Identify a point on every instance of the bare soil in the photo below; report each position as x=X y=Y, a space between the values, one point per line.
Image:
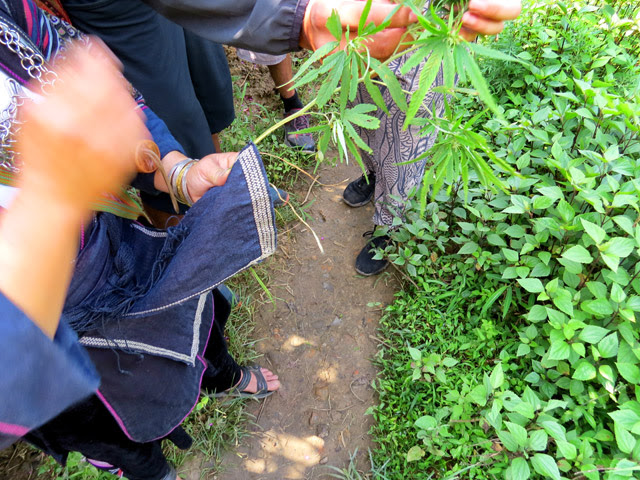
x=320 y=339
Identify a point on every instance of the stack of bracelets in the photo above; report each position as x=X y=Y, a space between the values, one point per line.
x=178 y=180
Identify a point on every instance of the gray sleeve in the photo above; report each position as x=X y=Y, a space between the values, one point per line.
x=268 y=26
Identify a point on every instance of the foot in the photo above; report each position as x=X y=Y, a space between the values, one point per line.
x=278 y=196
x=303 y=141
x=255 y=382
x=359 y=192
x=271 y=378
x=365 y=263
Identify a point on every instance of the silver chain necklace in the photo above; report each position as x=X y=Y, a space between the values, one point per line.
x=36 y=67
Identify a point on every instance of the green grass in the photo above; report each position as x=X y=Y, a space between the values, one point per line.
x=456 y=348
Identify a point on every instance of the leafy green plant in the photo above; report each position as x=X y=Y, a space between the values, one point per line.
x=556 y=256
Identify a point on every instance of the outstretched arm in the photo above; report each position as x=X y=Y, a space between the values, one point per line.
x=68 y=163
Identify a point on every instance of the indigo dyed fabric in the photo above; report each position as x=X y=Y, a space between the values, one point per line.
x=40 y=377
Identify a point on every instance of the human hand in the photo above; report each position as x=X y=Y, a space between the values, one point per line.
x=486 y=17
x=210 y=171
x=79 y=140
x=315 y=34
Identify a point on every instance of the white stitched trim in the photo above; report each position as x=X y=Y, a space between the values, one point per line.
x=153 y=350
x=146 y=231
x=197 y=321
x=138 y=346
x=260 y=201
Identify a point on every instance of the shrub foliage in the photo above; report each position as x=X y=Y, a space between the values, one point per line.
x=547 y=268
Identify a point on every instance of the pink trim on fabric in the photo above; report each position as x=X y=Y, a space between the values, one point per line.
x=13 y=430
x=29 y=18
x=82 y=236
x=119 y=420
x=114 y=414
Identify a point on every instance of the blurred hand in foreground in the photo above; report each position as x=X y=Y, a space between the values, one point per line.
x=79 y=141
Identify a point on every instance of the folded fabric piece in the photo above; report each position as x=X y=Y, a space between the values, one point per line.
x=142 y=297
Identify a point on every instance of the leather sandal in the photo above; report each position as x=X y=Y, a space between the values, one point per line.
x=238 y=390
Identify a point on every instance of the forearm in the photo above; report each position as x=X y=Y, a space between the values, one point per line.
x=38 y=244
x=269 y=26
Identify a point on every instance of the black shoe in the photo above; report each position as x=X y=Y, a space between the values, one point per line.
x=303 y=141
x=365 y=263
x=359 y=192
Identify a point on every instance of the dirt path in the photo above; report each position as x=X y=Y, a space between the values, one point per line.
x=318 y=339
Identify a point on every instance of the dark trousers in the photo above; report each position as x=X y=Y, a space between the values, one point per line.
x=184 y=79
x=89 y=428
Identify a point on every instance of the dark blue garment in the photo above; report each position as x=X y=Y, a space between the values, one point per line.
x=40 y=377
x=141 y=297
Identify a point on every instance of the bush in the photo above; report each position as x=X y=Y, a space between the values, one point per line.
x=555 y=259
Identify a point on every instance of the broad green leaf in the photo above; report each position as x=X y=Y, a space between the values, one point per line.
x=508 y=441
x=554 y=429
x=578 y=254
x=538 y=440
x=545 y=465
x=630 y=372
x=426 y=422
x=593 y=333
x=619 y=246
x=542 y=203
x=478 y=395
x=617 y=293
x=567 y=450
x=537 y=314
x=496 y=240
x=626 y=418
x=596 y=233
x=519 y=433
x=532 y=285
x=560 y=350
x=497 y=376
x=566 y=211
x=467 y=248
x=584 y=371
x=608 y=346
x=416 y=355
x=520 y=469
x=510 y=255
x=625 y=440
x=415 y=453
x=563 y=301
x=599 y=307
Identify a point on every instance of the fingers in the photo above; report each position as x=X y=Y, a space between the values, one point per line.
x=495 y=9
x=314 y=32
x=350 y=12
x=474 y=23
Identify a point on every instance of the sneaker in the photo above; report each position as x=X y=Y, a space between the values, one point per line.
x=303 y=141
x=359 y=192
x=365 y=263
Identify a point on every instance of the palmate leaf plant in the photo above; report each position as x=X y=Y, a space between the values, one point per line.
x=557 y=255
x=435 y=39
